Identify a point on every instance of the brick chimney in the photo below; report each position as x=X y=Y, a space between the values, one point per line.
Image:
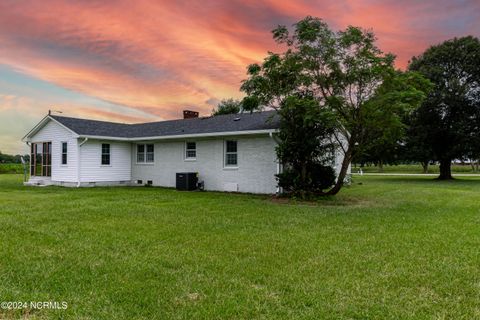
x=188 y=114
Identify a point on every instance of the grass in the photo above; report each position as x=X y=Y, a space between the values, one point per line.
x=11 y=168
x=385 y=248
x=413 y=168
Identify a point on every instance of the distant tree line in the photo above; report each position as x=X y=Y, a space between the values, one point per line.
x=7 y=158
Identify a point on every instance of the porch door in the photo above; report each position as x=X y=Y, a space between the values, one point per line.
x=47 y=159
x=41 y=159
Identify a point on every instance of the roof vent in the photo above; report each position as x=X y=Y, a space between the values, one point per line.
x=188 y=114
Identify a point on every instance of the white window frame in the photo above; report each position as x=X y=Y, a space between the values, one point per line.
x=109 y=154
x=187 y=158
x=145 y=153
x=225 y=155
x=64 y=153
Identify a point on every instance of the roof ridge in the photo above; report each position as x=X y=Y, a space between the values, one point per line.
x=85 y=119
x=170 y=120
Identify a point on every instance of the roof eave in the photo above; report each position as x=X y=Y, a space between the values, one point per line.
x=184 y=136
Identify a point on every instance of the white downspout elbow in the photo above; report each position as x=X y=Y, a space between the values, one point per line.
x=81 y=144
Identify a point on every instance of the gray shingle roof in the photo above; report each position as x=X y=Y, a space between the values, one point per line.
x=217 y=124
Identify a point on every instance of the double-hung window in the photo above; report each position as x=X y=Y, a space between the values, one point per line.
x=190 y=150
x=145 y=153
x=64 y=152
x=105 y=154
x=231 y=153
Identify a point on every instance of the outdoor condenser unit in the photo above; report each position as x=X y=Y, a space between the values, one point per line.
x=187 y=181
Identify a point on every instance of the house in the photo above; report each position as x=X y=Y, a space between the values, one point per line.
x=233 y=152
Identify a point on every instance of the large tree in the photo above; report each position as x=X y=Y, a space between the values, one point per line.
x=346 y=73
x=449 y=119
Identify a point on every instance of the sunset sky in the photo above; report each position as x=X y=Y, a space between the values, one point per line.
x=135 y=61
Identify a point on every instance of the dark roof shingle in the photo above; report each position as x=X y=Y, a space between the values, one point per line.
x=204 y=125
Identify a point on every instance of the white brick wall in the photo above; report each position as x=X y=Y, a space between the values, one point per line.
x=255 y=173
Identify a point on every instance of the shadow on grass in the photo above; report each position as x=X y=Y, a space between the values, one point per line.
x=339 y=200
x=422 y=180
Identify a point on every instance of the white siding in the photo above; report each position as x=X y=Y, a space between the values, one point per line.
x=255 y=173
x=57 y=134
x=92 y=169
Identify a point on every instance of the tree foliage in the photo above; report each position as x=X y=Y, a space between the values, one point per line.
x=306 y=160
x=449 y=119
x=388 y=113
x=347 y=75
x=227 y=106
x=7 y=158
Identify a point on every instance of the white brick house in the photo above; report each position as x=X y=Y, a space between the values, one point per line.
x=229 y=152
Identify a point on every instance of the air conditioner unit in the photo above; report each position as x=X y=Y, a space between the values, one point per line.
x=186 y=181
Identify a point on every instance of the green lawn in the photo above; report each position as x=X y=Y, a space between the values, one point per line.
x=385 y=248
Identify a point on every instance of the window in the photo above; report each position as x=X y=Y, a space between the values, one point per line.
x=64 y=152
x=190 y=150
x=231 y=154
x=41 y=159
x=150 y=153
x=140 y=153
x=105 y=154
x=145 y=153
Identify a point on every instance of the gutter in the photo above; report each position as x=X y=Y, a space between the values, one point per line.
x=78 y=161
x=184 y=136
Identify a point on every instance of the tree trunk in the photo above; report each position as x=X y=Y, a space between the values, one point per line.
x=425 y=166
x=343 y=172
x=380 y=166
x=303 y=174
x=445 y=169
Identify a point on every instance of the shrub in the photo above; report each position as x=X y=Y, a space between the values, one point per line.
x=319 y=178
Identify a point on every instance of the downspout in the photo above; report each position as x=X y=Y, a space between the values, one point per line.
x=78 y=160
x=279 y=165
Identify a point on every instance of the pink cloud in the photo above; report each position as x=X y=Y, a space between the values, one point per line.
x=162 y=56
